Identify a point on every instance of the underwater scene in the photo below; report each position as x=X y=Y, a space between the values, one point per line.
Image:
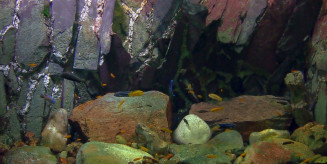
x=163 y=81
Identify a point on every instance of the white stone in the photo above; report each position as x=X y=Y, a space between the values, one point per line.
x=192 y=130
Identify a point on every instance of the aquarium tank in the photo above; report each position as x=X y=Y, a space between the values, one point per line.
x=163 y=81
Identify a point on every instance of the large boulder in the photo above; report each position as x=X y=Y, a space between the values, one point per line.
x=30 y=154
x=248 y=113
x=102 y=119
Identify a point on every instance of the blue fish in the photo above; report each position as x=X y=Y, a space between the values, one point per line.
x=122 y=94
x=227 y=125
x=171 y=87
x=48 y=98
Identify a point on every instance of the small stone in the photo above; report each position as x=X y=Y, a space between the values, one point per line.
x=120 y=139
x=192 y=130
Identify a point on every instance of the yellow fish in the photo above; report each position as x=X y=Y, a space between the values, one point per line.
x=215 y=128
x=221 y=90
x=98 y=97
x=293 y=71
x=211 y=156
x=78 y=139
x=191 y=92
x=32 y=65
x=241 y=99
x=243 y=154
x=104 y=84
x=199 y=96
x=135 y=93
x=112 y=75
x=68 y=136
x=215 y=97
x=216 y=109
x=122 y=131
x=166 y=130
x=226 y=130
x=306 y=160
x=121 y=103
x=279 y=114
x=144 y=148
x=298 y=155
x=136 y=159
x=189 y=87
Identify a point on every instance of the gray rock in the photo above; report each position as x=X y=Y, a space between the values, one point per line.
x=68 y=95
x=320 y=111
x=3 y=97
x=192 y=130
x=55 y=130
x=30 y=154
x=100 y=152
x=7 y=47
x=34 y=119
x=31 y=38
x=105 y=28
x=13 y=130
x=6 y=12
x=268 y=134
x=63 y=13
x=54 y=69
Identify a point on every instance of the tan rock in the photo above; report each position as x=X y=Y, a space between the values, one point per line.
x=102 y=119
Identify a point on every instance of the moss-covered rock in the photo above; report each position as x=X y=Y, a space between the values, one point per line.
x=30 y=154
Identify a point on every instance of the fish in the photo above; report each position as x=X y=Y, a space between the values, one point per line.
x=199 y=96
x=112 y=75
x=216 y=109
x=241 y=99
x=122 y=131
x=191 y=92
x=135 y=93
x=121 y=94
x=306 y=160
x=71 y=76
x=63 y=160
x=32 y=65
x=98 y=96
x=221 y=90
x=48 y=98
x=171 y=87
x=298 y=155
x=189 y=87
x=211 y=156
x=215 y=128
x=68 y=136
x=168 y=156
x=150 y=126
x=279 y=114
x=226 y=130
x=104 y=84
x=76 y=96
x=78 y=139
x=166 y=130
x=215 y=97
x=243 y=154
x=121 y=103
x=136 y=159
x=294 y=71
x=287 y=142
x=227 y=125
x=186 y=122
x=144 y=148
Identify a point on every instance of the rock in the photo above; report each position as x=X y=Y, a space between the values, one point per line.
x=197 y=153
x=248 y=113
x=277 y=150
x=99 y=152
x=94 y=116
x=53 y=134
x=270 y=28
x=7 y=45
x=192 y=130
x=314 y=135
x=3 y=97
x=153 y=142
x=120 y=140
x=31 y=38
x=63 y=13
x=320 y=30
x=268 y=134
x=30 y=154
x=299 y=98
x=73 y=148
x=68 y=95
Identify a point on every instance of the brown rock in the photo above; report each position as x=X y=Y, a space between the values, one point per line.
x=102 y=119
x=248 y=113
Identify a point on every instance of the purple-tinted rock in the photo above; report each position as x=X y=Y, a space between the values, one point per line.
x=320 y=30
x=261 y=52
x=105 y=30
x=31 y=38
x=215 y=9
x=256 y=8
x=63 y=13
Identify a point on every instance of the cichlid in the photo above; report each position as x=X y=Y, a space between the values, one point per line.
x=48 y=98
x=171 y=87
